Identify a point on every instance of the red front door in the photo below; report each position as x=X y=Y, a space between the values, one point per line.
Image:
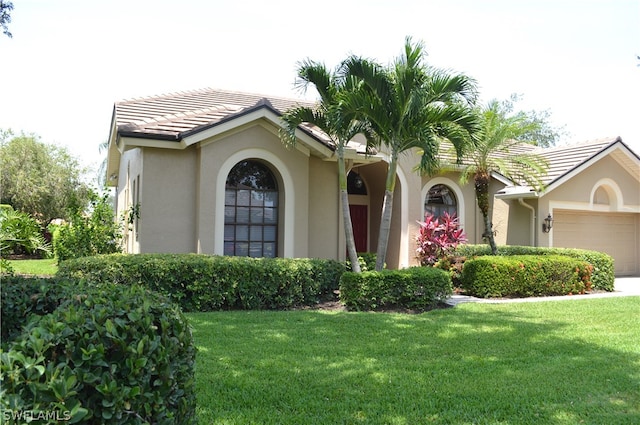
x=360 y=226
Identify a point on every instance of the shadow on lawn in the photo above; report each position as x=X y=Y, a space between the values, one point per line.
x=457 y=366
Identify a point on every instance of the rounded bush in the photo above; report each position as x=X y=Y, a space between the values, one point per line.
x=525 y=276
x=602 y=276
x=413 y=288
x=107 y=354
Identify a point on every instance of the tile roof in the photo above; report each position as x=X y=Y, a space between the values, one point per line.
x=564 y=158
x=561 y=159
x=176 y=115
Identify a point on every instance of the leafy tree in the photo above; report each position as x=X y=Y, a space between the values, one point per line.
x=496 y=149
x=5 y=16
x=90 y=232
x=21 y=234
x=541 y=132
x=39 y=179
x=336 y=121
x=410 y=106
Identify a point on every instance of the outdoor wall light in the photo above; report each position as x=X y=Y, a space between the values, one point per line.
x=357 y=181
x=547 y=224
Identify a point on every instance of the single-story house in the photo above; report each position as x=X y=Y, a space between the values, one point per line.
x=207 y=172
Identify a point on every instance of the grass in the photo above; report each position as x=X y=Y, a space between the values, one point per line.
x=47 y=267
x=551 y=362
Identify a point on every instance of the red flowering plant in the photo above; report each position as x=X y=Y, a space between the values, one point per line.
x=438 y=238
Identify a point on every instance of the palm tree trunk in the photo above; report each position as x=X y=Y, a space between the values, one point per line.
x=346 y=214
x=387 y=209
x=481 y=180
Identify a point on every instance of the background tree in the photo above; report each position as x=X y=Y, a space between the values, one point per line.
x=542 y=133
x=495 y=148
x=336 y=121
x=5 y=16
x=410 y=106
x=39 y=179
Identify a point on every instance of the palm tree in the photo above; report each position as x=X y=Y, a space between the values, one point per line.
x=337 y=122
x=409 y=106
x=496 y=149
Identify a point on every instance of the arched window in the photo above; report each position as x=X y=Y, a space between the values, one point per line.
x=440 y=199
x=355 y=184
x=251 y=211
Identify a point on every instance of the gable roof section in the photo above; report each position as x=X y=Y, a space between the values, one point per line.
x=569 y=160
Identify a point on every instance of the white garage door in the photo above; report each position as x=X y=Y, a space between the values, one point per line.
x=614 y=233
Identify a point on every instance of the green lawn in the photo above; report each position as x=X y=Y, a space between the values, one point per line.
x=35 y=267
x=569 y=362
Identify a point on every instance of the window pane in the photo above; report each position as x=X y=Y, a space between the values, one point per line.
x=271 y=215
x=229 y=214
x=244 y=197
x=257 y=198
x=271 y=199
x=256 y=214
x=270 y=233
x=242 y=233
x=242 y=215
x=256 y=233
x=229 y=232
x=255 y=249
x=228 y=248
x=242 y=249
x=269 y=249
x=230 y=197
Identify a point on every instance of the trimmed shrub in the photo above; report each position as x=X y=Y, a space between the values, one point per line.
x=413 y=288
x=367 y=261
x=23 y=297
x=108 y=354
x=208 y=283
x=525 y=276
x=602 y=276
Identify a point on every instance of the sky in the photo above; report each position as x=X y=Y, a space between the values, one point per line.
x=69 y=61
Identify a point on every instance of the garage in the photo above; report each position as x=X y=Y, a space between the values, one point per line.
x=616 y=234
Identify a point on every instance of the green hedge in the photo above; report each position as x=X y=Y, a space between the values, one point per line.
x=602 y=277
x=209 y=283
x=412 y=288
x=108 y=354
x=525 y=276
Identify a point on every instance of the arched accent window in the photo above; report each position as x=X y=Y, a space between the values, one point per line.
x=251 y=211
x=355 y=184
x=440 y=199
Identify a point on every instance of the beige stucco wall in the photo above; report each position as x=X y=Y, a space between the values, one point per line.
x=167 y=210
x=324 y=210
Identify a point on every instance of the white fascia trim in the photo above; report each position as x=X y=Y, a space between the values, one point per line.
x=135 y=142
x=502 y=179
x=289 y=197
x=587 y=164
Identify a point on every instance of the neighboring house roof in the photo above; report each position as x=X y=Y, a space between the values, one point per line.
x=565 y=161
